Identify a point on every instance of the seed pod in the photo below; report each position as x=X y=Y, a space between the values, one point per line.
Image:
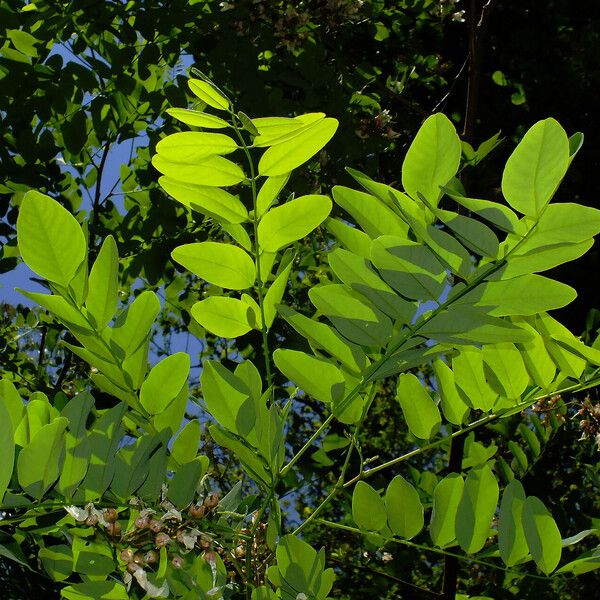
x=138 y=558
x=161 y=539
x=142 y=522
x=177 y=561
x=197 y=511
x=155 y=525
x=110 y=515
x=180 y=535
x=240 y=551
x=127 y=555
x=151 y=557
x=211 y=501
x=210 y=557
x=205 y=541
x=91 y=521
x=114 y=529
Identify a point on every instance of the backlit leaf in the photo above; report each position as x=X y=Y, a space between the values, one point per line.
x=511 y=535
x=446 y=498
x=542 y=535
x=51 y=241
x=292 y=221
x=164 y=382
x=197 y=118
x=212 y=171
x=102 y=297
x=192 y=147
x=536 y=167
x=208 y=94
x=404 y=508
x=420 y=411
x=225 y=265
x=368 y=509
x=225 y=317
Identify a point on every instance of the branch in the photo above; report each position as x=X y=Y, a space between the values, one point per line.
x=96 y=203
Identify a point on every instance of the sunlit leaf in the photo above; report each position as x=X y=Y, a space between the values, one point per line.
x=420 y=411
x=404 y=508
x=542 y=535
x=225 y=317
x=368 y=508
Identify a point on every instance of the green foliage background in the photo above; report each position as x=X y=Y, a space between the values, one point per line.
x=380 y=69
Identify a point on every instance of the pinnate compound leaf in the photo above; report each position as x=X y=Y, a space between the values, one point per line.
x=432 y=159
x=197 y=118
x=211 y=201
x=420 y=411
x=50 y=239
x=224 y=265
x=511 y=535
x=404 y=508
x=476 y=509
x=301 y=368
x=212 y=171
x=536 y=167
x=164 y=382
x=292 y=221
x=297 y=148
x=368 y=508
x=209 y=94
x=102 y=297
x=225 y=317
x=542 y=534
x=446 y=498
x=38 y=464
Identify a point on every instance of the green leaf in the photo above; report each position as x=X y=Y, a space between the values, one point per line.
x=542 y=535
x=469 y=376
x=186 y=443
x=13 y=403
x=268 y=192
x=62 y=309
x=499 y=215
x=50 y=239
x=164 y=382
x=197 y=118
x=506 y=370
x=182 y=488
x=132 y=327
x=300 y=368
x=104 y=438
x=432 y=159
x=455 y=409
x=209 y=94
x=292 y=221
x=470 y=233
x=368 y=509
x=476 y=509
x=353 y=239
x=95 y=590
x=373 y=216
x=24 y=42
x=356 y=273
x=420 y=411
x=57 y=560
x=410 y=268
x=446 y=498
x=298 y=147
x=228 y=399
x=278 y=129
x=211 y=171
x=225 y=317
x=253 y=464
x=323 y=337
x=511 y=535
x=404 y=508
x=525 y=295
x=102 y=297
x=7 y=447
x=538 y=362
x=207 y=200
x=275 y=293
x=224 y=265
x=192 y=147
x=77 y=445
x=38 y=464
x=465 y=324
x=352 y=315
x=584 y=563
x=536 y=167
